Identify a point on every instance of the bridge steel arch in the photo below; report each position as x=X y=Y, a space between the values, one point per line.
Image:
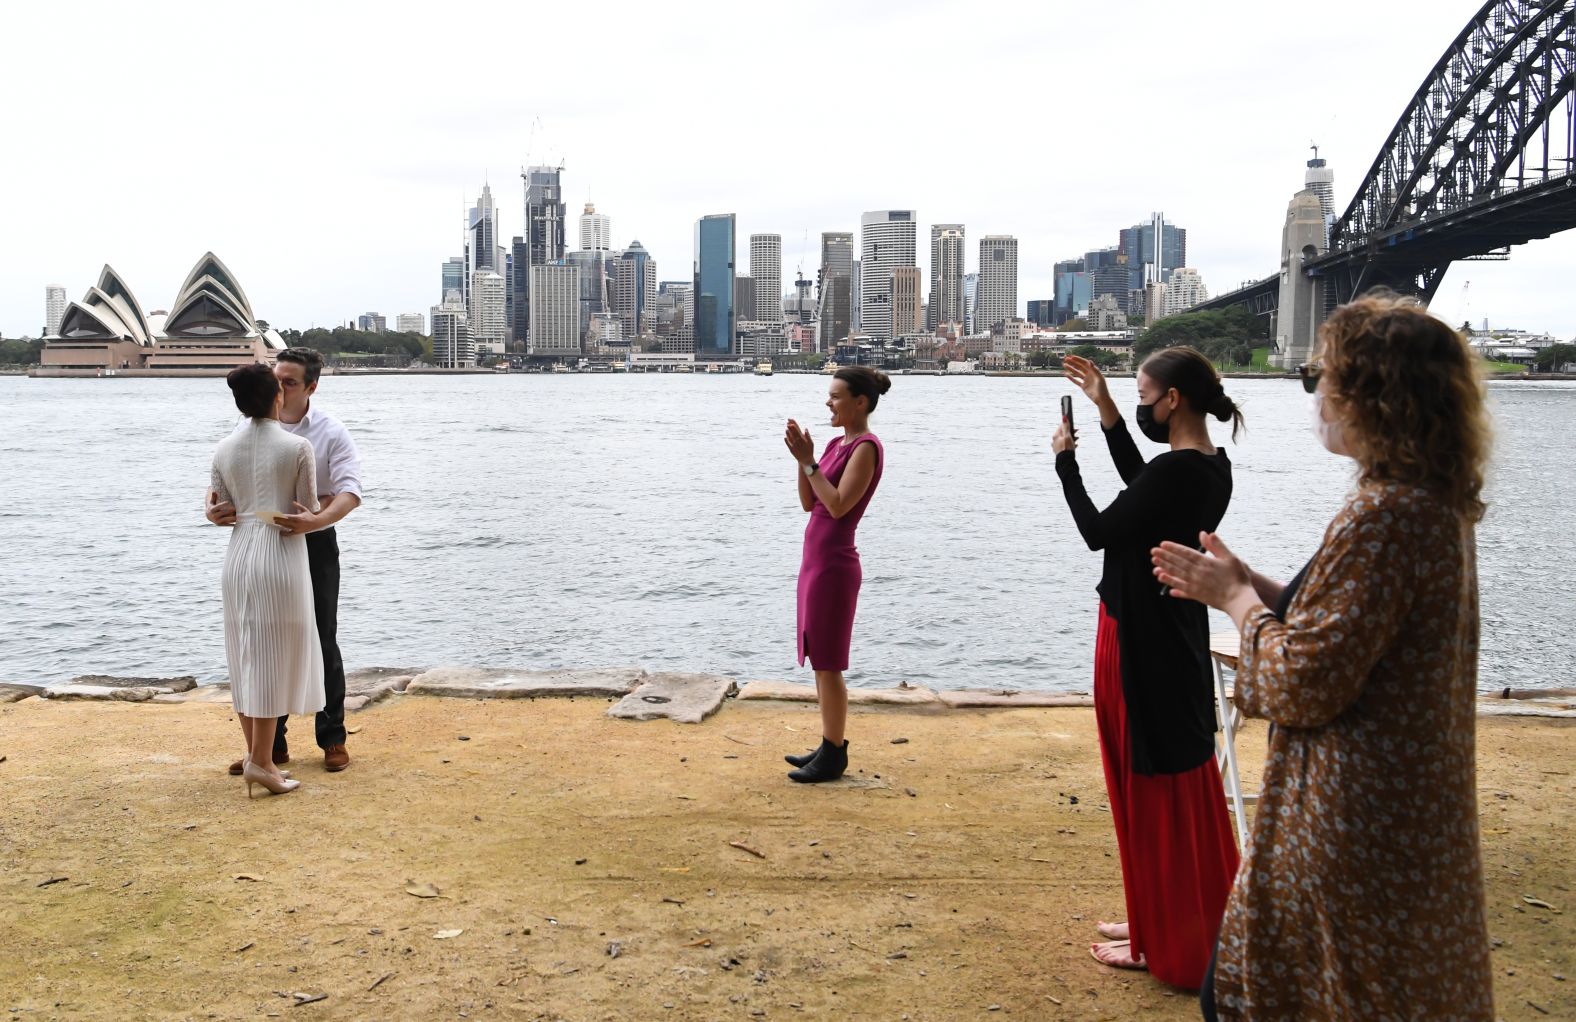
x=1480 y=160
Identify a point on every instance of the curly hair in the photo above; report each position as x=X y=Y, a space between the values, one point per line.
x=1408 y=390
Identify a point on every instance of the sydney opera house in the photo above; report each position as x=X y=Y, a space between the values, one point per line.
x=209 y=330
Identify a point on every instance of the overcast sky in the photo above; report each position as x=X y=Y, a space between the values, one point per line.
x=326 y=151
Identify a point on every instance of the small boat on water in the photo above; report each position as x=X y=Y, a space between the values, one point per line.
x=828 y=368
x=763 y=369
x=559 y=367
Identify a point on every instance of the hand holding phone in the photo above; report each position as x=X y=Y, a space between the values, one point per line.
x=1067 y=410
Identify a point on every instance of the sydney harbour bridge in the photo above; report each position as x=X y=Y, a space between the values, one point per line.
x=1480 y=160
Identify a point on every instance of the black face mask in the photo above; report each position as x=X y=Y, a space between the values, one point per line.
x=1159 y=432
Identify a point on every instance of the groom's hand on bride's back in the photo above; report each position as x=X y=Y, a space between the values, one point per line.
x=220 y=512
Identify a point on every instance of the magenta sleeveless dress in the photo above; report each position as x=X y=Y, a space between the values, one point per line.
x=830 y=574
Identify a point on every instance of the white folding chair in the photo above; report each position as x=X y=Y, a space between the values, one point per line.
x=1223 y=651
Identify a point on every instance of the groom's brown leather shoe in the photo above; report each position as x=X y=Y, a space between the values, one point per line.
x=235 y=768
x=335 y=758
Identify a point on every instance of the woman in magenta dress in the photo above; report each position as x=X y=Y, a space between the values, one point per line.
x=835 y=492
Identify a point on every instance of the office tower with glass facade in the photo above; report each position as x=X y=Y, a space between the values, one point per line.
x=555 y=311
x=996 y=301
x=716 y=320
x=946 y=275
x=1137 y=245
x=971 y=283
x=543 y=236
x=887 y=241
x=453 y=277
x=834 y=288
x=635 y=290
x=481 y=238
x=766 y=270
x=1071 y=287
x=372 y=322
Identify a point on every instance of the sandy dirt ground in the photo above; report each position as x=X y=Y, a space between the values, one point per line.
x=584 y=870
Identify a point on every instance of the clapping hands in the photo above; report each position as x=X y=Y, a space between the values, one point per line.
x=799 y=443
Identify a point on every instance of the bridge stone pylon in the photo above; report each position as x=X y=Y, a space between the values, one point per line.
x=1300 y=308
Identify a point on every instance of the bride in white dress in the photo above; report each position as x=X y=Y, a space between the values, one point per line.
x=270 y=633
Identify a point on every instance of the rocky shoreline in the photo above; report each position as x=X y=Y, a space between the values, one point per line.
x=686 y=698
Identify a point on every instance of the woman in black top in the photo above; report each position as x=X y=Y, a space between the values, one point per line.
x=1153 y=694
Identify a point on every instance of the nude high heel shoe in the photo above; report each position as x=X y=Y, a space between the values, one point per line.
x=252 y=775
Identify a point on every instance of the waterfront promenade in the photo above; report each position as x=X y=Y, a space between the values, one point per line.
x=591 y=869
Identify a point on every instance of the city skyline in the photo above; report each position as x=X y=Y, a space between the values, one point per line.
x=388 y=212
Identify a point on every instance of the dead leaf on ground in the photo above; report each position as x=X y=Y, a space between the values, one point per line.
x=301 y=999
x=421 y=890
x=1538 y=902
x=741 y=846
x=379 y=981
x=353 y=730
x=254 y=878
x=446 y=934
x=245 y=947
x=703 y=942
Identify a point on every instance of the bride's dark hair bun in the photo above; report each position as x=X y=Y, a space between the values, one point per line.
x=254 y=388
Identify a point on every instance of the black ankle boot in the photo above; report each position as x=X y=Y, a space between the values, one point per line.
x=804 y=760
x=828 y=765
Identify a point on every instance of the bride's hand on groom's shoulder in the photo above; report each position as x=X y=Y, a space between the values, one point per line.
x=302 y=520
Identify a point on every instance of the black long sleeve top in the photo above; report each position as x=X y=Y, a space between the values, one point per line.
x=1163 y=641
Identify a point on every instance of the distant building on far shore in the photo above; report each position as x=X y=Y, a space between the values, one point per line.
x=372 y=323
x=452 y=346
x=410 y=323
x=54 y=308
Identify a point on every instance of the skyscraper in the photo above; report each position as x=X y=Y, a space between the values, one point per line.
x=715 y=317
x=555 y=310
x=410 y=323
x=996 y=300
x=372 y=322
x=592 y=264
x=1137 y=244
x=543 y=237
x=453 y=277
x=452 y=347
x=887 y=241
x=946 y=275
x=481 y=238
x=635 y=290
x=1320 y=179
x=743 y=299
x=1072 y=290
x=907 y=315
x=766 y=269
x=857 y=295
x=596 y=230
x=486 y=311
x=1185 y=290
x=834 y=287
x=971 y=284
x=54 y=309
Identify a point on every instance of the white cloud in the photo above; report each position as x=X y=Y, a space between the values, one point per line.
x=326 y=151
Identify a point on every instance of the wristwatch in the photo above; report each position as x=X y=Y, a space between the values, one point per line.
x=812 y=468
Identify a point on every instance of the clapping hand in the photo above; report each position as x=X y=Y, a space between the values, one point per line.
x=1218 y=578
x=799 y=443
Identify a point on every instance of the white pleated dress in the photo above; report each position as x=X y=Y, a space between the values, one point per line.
x=270 y=633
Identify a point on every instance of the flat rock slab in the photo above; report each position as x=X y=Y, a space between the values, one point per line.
x=980 y=698
x=373 y=684
x=12 y=691
x=901 y=695
x=682 y=698
x=1525 y=708
x=502 y=683
x=219 y=693
x=108 y=687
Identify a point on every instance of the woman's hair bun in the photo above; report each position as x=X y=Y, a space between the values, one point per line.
x=883 y=381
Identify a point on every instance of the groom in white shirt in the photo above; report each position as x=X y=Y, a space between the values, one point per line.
x=339 y=486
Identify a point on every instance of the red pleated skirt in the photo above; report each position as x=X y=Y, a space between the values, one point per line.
x=1178 y=849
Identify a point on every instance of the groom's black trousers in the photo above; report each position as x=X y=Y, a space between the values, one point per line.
x=322 y=556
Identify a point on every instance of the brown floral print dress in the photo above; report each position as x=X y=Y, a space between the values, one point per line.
x=1361 y=892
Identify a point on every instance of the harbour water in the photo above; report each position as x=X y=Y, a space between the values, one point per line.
x=597 y=520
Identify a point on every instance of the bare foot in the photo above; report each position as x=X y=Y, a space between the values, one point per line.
x=1113 y=931
x=1117 y=954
